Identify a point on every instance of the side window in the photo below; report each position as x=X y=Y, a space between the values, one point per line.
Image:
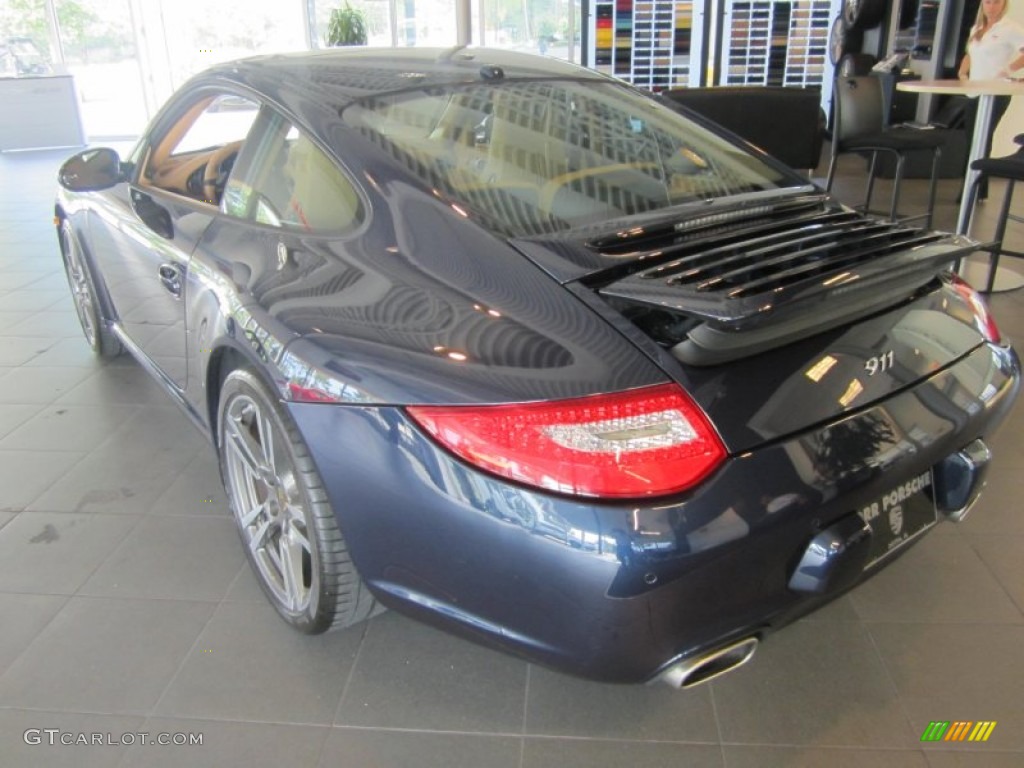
x=283 y=179
x=195 y=155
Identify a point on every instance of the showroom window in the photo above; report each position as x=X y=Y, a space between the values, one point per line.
x=549 y=28
x=284 y=180
x=394 y=22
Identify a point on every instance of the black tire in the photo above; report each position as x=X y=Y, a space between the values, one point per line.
x=94 y=324
x=864 y=14
x=280 y=507
x=843 y=40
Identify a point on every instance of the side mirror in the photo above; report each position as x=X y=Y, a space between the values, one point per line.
x=92 y=170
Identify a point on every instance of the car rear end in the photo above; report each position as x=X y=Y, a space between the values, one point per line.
x=826 y=388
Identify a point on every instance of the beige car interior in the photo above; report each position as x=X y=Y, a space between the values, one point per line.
x=163 y=169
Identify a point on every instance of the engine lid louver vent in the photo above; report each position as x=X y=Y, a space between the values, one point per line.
x=773 y=276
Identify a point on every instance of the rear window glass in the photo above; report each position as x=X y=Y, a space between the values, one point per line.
x=532 y=157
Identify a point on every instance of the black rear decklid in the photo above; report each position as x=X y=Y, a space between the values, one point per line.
x=732 y=284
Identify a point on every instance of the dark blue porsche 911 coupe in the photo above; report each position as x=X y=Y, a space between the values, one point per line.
x=514 y=348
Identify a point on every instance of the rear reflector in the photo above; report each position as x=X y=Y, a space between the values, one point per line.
x=986 y=323
x=644 y=442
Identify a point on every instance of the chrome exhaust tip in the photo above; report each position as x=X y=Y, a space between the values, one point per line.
x=705 y=667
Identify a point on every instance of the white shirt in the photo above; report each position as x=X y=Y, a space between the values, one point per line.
x=1003 y=42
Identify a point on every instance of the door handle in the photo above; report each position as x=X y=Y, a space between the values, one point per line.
x=170 y=277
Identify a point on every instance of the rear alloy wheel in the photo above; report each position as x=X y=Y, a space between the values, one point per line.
x=289 y=530
x=83 y=292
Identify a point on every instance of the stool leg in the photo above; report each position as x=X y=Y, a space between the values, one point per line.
x=896 y=186
x=831 y=174
x=936 y=157
x=871 y=181
x=1004 y=213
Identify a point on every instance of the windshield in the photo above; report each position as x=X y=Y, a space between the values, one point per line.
x=533 y=157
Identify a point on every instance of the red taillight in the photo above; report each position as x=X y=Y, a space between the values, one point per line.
x=643 y=442
x=986 y=323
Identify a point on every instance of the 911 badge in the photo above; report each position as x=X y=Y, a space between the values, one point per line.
x=880 y=363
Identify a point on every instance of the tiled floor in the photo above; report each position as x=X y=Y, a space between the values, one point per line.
x=126 y=605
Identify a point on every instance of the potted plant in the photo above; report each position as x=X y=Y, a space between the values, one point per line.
x=347 y=26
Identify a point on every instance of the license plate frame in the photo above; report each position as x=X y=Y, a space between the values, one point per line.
x=901 y=515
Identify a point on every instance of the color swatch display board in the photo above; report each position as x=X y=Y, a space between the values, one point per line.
x=776 y=42
x=649 y=43
x=658 y=44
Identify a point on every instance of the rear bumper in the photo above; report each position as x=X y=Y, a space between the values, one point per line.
x=618 y=591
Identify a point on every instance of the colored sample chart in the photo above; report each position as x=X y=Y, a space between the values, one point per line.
x=776 y=42
x=645 y=42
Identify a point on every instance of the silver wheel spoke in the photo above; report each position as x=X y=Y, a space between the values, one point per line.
x=294 y=531
x=267 y=444
x=291 y=570
x=258 y=539
x=245 y=447
x=249 y=517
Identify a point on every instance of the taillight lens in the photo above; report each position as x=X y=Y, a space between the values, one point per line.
x=643 y=442
x=986 y=323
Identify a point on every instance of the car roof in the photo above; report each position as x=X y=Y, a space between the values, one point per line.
x=338 y=76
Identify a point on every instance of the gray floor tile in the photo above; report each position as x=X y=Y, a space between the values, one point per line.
x=396 y=749
x=249 y=665
x=813 y=684
x=53 y=279
x=245 y=587
x=591 y=753
x=40 y=384
x=53 y=552
x=409 y=675
x=24 y=475
x=957 y=672
x=108 y=656
x=36 y=300
x=129 y=474
x=5 y=518
x=68 y=428
x=13 y=416
x=228 y=745
x=73 y=352
x=558 y=705
x=48 y=324
x=25 y=616
x=197 y=490
x=63 y=749
x=1002 y=556
x=18 y=350
x=179 y=558
x=804 y=757
x=940 y=579
x=12 y=281
x=974 y=759
x=119 y=383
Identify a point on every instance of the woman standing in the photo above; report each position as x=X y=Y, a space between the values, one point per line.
x=995 y=50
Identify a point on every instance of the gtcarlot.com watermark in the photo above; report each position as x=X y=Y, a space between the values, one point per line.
x=55 y=737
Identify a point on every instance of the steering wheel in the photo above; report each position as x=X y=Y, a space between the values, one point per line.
x=214 y=176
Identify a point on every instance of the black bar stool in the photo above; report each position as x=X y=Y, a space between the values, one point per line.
x=1010 y=168
x=860 y=127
